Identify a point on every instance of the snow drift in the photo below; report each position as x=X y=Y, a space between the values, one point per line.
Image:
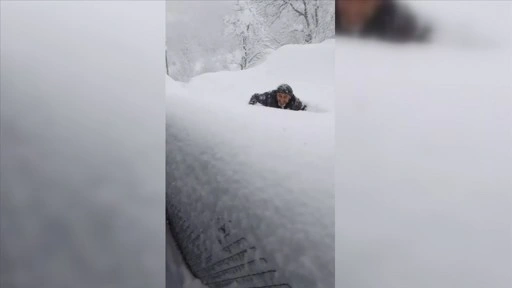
x=423 y=154
x=267 y=172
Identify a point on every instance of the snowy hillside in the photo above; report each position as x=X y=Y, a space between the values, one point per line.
x=267 y=172
x=423 y=157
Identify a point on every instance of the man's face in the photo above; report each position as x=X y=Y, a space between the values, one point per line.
x=283 y=99
x=356 y=13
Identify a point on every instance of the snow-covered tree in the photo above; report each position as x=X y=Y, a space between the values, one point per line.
x=250 y=31
x=183 y=62
x=310 y=20
x=241 y=39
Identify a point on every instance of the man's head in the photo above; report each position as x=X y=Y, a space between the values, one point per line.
x=284 y=94
x=355 y=14
x=283 y=99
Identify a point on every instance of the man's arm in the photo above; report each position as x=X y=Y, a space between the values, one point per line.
x=299 y=106
x=259 y=99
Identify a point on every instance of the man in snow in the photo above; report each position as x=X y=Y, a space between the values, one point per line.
x=282 y=98
x=384 y=19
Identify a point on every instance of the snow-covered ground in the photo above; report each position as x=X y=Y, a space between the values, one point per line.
x=423 y=153
x=268 y=172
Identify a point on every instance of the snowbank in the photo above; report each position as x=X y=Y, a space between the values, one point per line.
x=311 y=77
x=423 y=154
x=267 y=172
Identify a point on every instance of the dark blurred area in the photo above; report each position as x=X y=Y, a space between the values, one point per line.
x=388 y=20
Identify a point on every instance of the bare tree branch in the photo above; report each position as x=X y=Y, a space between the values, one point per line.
x=316 y=12
x=306 y=14
x=280 y=10
x=257 y=55
x=296 y=10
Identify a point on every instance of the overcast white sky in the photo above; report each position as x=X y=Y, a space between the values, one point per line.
x=201 y=19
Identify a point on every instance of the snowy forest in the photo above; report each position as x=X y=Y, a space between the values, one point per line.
x=211 y=36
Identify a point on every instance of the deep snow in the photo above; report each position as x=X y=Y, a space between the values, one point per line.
x=423 y=153
x=267 y=170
